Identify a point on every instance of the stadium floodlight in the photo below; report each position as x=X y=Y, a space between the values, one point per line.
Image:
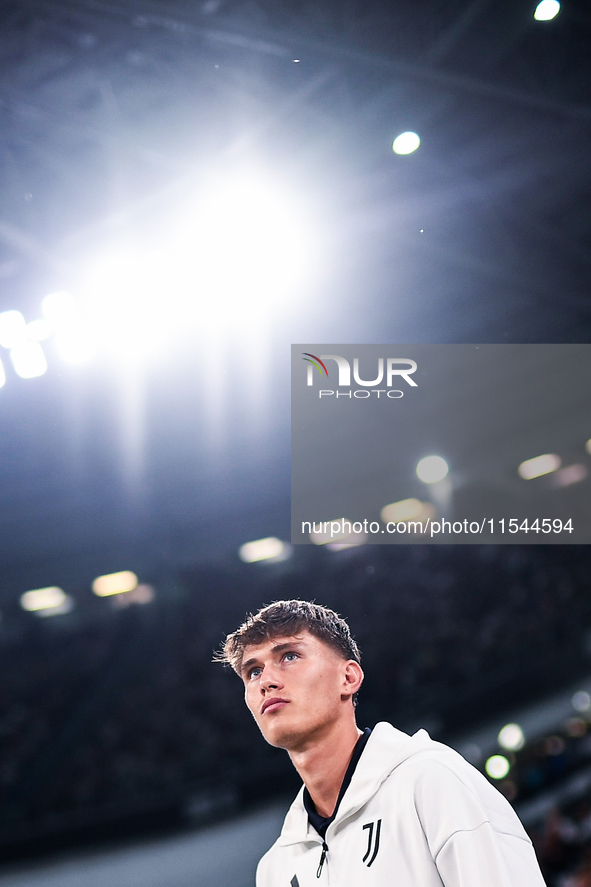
x=406 y=143
x=539 y=465
x=75 y=344
x=497 y=766
x=230 y=255
x=38 y=330
x=73 y=340
x=511 y=737
x=432 y=469
x=546 y=10
x=28 y=360
x=13 y=329
x=59 y=309
x=269 y=548
x=43 y=599
x=244 y=246
x=115 y=583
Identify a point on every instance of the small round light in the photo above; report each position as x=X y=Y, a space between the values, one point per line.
x=497 y=767
x=511 y=737
x=581 y=701
x=546 y=10
x=432 y=469
x=406 y=143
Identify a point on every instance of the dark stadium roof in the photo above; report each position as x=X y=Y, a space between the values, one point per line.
x=111 y=112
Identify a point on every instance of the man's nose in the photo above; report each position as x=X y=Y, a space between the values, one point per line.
x=270 y=681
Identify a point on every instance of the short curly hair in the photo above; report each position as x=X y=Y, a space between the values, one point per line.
x=289 y=618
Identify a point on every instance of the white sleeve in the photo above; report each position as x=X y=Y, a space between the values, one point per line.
x=474 y=835
x=484 y=858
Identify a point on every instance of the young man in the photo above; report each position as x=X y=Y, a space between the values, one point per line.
x=377 y=807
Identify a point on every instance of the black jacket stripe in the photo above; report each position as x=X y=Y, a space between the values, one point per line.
x=377 y=843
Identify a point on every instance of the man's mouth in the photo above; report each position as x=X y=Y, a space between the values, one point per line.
x=273 y=704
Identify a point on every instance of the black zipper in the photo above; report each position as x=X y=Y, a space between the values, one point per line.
x=322 y=858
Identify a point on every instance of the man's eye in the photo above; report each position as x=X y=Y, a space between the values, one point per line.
x=290 y=656
x=254 y=672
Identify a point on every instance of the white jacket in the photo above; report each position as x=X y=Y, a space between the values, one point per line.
x=415 y=814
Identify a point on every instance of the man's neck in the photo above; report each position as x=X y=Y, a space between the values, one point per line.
x=322 y=765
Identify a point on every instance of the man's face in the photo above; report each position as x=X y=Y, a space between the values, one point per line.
x=296 y=689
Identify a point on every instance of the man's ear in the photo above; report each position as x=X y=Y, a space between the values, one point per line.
x=353 y=678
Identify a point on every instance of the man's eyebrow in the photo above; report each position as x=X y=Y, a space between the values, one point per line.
x=278 y=648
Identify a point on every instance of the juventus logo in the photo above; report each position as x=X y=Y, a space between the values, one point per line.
x=373 y=840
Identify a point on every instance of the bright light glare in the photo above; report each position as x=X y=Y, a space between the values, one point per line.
x=497 y=766
x=432 y=469
x=262 y=550
x=546 y=10
x=232 y=258
x=74 y=342
x=406 y=143
x=511 y=737
x=13 y=329
x=59 y=309
x=244 y=249
x=43 y=599
x=581 y=701
x=29 y=360
x=75 y=345
x=2 y=374
x=38 y=330
x=115 y=583
x=538 y=466
x=130 y=302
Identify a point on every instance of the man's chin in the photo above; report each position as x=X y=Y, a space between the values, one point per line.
x=280 y=736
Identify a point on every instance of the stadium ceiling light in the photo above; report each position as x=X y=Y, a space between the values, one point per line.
x=51 y=598
x=239 y=248
x=13 y=329
x=546 y=10
x=28 y=360
x=74 y=342
x=38 y=330
x=269 y=548
x=511 y=737
x=59 y=309
x=432 y=469
x=115 y=583
x=406 y=143
x=539 y=465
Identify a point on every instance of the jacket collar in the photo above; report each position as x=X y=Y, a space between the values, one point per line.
x=386 y=748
